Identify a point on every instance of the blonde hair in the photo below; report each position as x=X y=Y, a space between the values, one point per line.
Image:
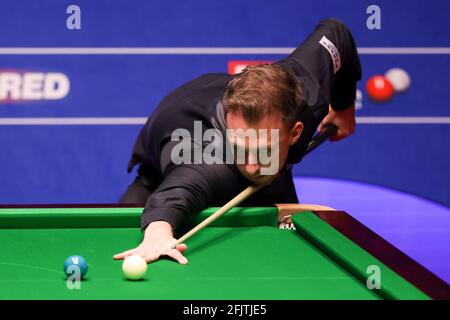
x=261 y=90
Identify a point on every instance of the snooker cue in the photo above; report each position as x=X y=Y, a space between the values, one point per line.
x=328 y=131
x=229 y=205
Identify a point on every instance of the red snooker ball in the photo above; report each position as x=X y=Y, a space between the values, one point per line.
x=379 y=88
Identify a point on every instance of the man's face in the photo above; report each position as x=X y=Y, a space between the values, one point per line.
x=273 y=139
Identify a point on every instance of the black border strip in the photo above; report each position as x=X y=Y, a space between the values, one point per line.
x=406 y=267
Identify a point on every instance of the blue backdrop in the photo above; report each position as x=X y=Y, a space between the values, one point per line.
x=87 y=163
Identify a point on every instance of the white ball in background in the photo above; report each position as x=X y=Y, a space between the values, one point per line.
x=134 y=267
x=399 y=78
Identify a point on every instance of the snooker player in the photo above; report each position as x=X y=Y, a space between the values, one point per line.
x=298 y=95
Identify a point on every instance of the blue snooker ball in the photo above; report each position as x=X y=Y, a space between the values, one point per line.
x=75 y=263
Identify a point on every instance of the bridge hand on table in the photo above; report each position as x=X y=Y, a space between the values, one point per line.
x=158 y=241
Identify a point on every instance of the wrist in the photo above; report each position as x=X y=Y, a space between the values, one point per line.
x=159 y=227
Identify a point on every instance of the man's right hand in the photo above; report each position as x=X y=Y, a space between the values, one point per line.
x=344 y=120
x=157 y=242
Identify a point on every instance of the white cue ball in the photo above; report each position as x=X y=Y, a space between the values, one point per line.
x=134 y=267
x=399 y=78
